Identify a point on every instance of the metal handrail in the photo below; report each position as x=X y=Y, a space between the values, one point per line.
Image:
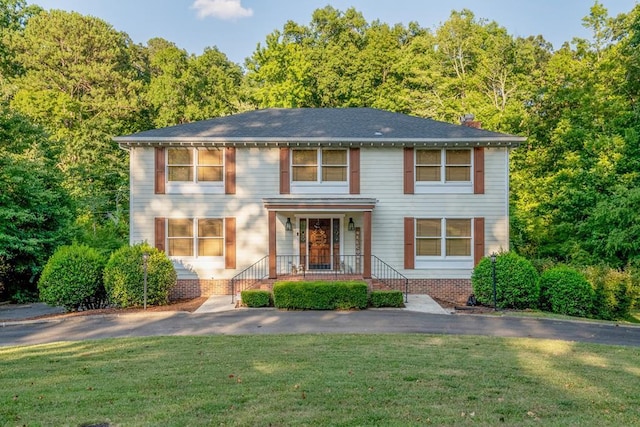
x=389 y=275
x=249 y=276
x=338 y=265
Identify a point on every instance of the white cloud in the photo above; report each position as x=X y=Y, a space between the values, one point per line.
x=222 y=9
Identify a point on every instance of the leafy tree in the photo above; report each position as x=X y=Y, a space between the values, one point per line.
x=185 y=88
x=13 y=17
x=35 y=210
x=80 y=84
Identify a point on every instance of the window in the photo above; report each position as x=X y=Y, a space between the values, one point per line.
x=456 y=164
x=322 y=165
x=454 y=242
x=195 y=237
x=195 y=165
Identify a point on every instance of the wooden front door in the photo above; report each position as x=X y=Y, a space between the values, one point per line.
x=319 y=243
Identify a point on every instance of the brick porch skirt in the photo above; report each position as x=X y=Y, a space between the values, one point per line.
x=451 y=290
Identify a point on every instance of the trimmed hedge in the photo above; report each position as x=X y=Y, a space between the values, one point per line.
x=72 y=278
x=320 y=295
x=516 y=282
x=565 y=290
x=255 y=298
x=386 y=299
x=124 y=276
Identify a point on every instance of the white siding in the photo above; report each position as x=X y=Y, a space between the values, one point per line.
x=257 y=177
x=382 y=178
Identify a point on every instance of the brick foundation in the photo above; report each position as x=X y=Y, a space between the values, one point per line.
x=193 y=288
x=455 y=291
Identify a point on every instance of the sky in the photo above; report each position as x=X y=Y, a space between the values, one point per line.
x=236 y=27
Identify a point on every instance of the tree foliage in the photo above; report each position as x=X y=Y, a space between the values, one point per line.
x=35 y=210
x=574 y=184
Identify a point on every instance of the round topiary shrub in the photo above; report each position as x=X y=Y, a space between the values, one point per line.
x=565 y=290
x=124 y=276
x=72 y=278
x=516 y=282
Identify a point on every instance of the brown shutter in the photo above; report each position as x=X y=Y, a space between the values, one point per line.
x=160 y=224
x=408 y=171
x=409 y=244
x=160 y=171
x=285 y=181
x=478 y=236
x=230 y=243
x=354 y=165
x=478 y=165
x=230 y=170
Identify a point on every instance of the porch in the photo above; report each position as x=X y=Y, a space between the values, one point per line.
x=342 y=267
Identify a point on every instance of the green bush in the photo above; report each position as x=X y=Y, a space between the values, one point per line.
x=72 y=278
x=386 y=299
x=124 y=276
x=565 y=290
x=256 y=298
x=320 y=295
x=516 y=282
x=614 y=293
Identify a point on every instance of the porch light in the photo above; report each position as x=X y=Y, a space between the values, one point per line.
x=352 y=225
x=288 y=226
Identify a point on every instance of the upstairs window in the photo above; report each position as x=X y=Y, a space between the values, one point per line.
x=316 y=166
x=443 y=166
x=446 y=237
x=195 y=165
x=195 y=237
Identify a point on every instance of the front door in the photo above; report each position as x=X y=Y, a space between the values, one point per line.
x=319 y=243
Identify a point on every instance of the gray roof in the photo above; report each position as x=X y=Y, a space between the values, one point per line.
x=319 y=126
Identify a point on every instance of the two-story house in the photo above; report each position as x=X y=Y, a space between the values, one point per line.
x=354 y=191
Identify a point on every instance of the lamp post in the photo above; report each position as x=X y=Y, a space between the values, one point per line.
x=493 y=267
x=145 y=258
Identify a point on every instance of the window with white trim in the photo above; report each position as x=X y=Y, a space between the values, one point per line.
x=319 y=165
x=456 y=164
x=321 y=169
x=195 y=170
x=443 y=237
x=195 y=165
x=195 y=237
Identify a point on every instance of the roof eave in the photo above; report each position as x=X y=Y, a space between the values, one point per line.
x=498 y=141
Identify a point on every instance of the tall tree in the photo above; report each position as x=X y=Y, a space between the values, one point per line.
x=35 y=210
x=185 y=88
x=79 y=83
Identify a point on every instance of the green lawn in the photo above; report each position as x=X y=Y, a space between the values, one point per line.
x=320 y=380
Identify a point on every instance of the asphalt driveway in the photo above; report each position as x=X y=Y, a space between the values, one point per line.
x=271 y=321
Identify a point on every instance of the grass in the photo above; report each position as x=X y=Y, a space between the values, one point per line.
x=320 y=380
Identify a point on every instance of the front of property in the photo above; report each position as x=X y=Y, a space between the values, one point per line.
x=301 y=192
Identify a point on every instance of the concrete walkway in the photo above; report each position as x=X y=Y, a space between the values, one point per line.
x=418 y=303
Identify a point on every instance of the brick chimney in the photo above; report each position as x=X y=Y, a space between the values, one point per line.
x=469 y=120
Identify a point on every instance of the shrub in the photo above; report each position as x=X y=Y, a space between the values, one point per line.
x=320 y=295
x=614 y=296
x=386 y=299
x=516 y=282
x=124 y=276
x=256 y=298
x=565 y=290
x=72 y=278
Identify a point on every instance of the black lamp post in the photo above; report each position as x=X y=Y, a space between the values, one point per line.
x=493 y=266
x=145 y=258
